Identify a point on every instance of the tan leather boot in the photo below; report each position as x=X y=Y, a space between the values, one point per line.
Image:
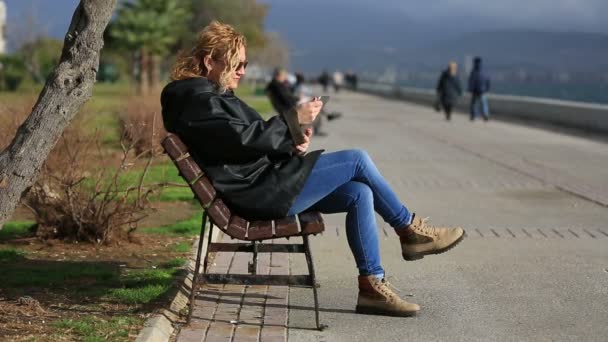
x=423 y=239
x=377 y=298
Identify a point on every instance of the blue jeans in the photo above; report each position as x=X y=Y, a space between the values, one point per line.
x=348 y=181
x=477 y=101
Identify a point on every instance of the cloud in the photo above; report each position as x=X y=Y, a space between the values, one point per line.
x=563 y=15
x=540 y=14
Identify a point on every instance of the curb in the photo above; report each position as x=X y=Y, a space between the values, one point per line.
x=161 y=326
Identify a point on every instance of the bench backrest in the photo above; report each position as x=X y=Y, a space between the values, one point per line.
x=231 y=224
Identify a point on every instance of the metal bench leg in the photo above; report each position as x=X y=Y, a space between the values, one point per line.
x=253 y=264
x=311 y=271
x=209 y=238
x=197 y=266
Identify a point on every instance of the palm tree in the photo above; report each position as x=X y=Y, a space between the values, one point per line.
x=148 y=28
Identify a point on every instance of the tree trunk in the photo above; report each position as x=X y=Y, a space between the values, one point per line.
x=155 y=62
x=65 y=92
x=144 y=72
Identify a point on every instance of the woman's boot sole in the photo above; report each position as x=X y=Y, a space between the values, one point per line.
x=421 y=255
x=376 y=311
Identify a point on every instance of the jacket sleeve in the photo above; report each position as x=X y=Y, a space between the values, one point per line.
x=470 y=86
x=215 y=128
x=439 y=86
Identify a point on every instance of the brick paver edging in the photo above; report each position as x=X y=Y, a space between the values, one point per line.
x=241 y=312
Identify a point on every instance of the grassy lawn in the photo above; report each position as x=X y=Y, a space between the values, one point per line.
x=93 y=329
x=15 y=230
x=190 y=227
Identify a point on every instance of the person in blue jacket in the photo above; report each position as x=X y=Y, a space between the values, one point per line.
x=479 y=85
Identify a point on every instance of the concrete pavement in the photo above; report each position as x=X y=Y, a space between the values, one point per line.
x=535 y=263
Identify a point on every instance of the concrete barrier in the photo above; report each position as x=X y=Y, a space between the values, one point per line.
x=580 y=115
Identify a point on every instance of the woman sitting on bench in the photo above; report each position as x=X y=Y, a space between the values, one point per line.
x=259 y=172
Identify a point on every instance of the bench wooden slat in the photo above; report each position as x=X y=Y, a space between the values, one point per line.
x=259 y=230
x=220 y=213
x=204 y=191
x=174 y=146
x=237 y=227
x=287 y=226
x=189 y=169
x=311 y=222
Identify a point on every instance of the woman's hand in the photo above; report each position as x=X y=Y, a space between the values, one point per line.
x=308 y=111
x=300 y=149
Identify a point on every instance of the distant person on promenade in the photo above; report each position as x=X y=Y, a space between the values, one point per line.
x=351 y=79
x=479 y=85
x=279 y=92
x=449 y=89
x=324 y=80
x=338 y=80
x=283 y=97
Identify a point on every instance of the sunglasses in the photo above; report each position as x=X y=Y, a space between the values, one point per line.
x=242 y=65
x=238 y=66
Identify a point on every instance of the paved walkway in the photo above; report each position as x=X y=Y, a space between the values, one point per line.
x=241 y=313
x=534 y=265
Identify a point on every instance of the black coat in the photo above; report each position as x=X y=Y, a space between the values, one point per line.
x=281 y=97
x=251 y=162
x=448 y=88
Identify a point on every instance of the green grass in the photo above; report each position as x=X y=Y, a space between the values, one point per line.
x=113 y=90
x=171 y=194
x=102 y=112
x=16 y=230
x=105 y=281
x=162 y=173
x=175 y=263
x=254 y=97
x=261 y=105
x=11 y=255
x=93 y=329
x=144 y=286
x=245 y=89
x=106 y=124
x=182 y=247
x=166 y=172
x=190 y=227
x=139 y=295
x=51 y=274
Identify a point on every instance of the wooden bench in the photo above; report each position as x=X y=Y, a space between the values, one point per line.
x=219 y=215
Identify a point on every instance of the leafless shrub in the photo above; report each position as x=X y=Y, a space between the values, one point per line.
x=141 y=124
x=83 y=192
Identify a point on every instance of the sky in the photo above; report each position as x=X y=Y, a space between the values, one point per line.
x=558 y=15
x=53 y=16
x=314 y=28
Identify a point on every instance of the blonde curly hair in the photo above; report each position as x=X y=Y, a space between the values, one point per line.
x=220 y=41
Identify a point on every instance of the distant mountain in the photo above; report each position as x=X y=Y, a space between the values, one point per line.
x=372 y=40
x=332 y=35
x=540 y=51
